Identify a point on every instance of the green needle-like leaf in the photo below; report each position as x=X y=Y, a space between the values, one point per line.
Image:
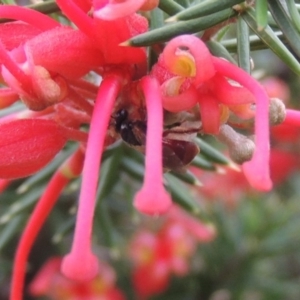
x=157 y=21
x=256 y=43
x=133 y=168
x=272 y=41
x=217 y=49
x=45 y=7
x=10 y=230
x=110 y=173
x=184 y=3
x=204 y=8
x=63 y=229
x=294 y=14
x=181 y=195
x=202 y=163
x=261 y=11
x=22 y=204
x=243 y=46
x=183 y=27
x=103 y=217
x=211 y=153
x=187 y=177
x=157 y=18
x=170 y=7
x=284 y=23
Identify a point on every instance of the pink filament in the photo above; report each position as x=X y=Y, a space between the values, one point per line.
x=81 y=264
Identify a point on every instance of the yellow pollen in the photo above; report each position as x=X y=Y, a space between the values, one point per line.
x=185 y=65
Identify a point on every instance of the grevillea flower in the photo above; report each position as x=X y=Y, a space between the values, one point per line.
x=39 y=68
x=156 y=256
x=51 y=283
x=187 y=57
x=284 y=158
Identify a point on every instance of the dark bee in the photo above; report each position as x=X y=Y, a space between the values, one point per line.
x=177 y=153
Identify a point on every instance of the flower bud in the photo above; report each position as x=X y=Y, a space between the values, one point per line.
x=277 y=111
x=27 y=145
x=240 y=147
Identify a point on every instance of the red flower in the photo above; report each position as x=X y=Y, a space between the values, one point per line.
x=159 y=255
x=51 y=283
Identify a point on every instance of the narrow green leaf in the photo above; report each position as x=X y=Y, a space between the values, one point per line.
x=109 y=173
x=255 y=43
x=183 y=27
x=21 y=204
x=272 y=41
x=295 y=17
x=187 y=177
x=133 y=168
x=202 y=163
x=211 y=153
x=243 y=46
x=203 y=8
x=284 y=23
x=181 y=195
x=157 y=21
x=261 y=11
x=170 y=7
x=63 y=229
x=45 y=7
x=183 y=3
x=222 y=32
x=217 y=49
x=105 y=222
x=10 y=230
x=157 y=18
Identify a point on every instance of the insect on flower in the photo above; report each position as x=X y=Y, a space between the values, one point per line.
x=177 y=153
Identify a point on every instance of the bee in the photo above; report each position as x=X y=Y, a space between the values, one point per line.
x=177 y=153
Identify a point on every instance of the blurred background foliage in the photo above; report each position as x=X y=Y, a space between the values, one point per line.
x=256 y=252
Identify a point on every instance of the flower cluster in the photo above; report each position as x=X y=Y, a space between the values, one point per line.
x=156 y=256
x=232 y=185
x=50 y=67
x=51 y=283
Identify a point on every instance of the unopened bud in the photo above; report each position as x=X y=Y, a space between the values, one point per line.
x=277 y=111
x=27 y=145
x=240 y=147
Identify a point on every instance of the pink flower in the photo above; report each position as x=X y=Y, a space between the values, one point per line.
x=51 y=283
x=187 y=57
x=159 y=255
x=39 y=67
